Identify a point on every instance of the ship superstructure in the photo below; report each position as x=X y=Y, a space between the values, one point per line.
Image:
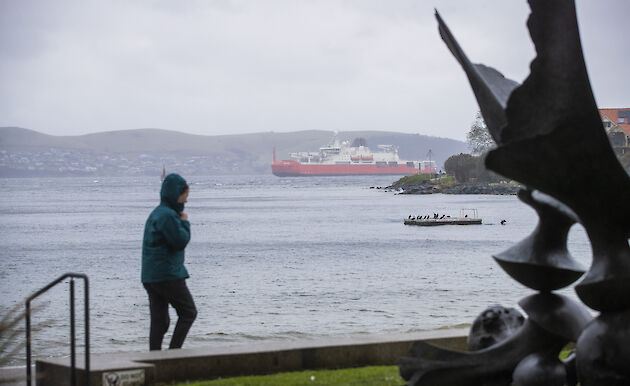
x=343 y=158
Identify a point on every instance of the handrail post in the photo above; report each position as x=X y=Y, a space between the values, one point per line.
x=28 y=343
x=87 y=329
x=73 y=363
x=72 y=327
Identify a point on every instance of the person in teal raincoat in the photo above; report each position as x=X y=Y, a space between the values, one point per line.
x=166 y=234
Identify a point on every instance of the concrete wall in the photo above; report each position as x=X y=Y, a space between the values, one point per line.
x=262 y=358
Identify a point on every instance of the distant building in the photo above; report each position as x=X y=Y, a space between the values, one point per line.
x=617 y=125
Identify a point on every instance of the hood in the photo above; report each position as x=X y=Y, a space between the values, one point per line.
x=172 y=187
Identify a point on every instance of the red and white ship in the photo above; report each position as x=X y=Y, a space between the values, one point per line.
x=342 y=159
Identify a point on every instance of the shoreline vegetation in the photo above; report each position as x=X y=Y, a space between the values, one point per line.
x=445 y=184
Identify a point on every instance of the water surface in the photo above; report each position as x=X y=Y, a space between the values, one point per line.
x=270 y=258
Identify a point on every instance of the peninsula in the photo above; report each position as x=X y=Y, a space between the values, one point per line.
x=418 y=184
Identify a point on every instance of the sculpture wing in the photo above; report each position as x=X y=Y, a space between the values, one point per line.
x=491 y=88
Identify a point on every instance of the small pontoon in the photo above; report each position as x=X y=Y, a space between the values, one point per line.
x=466 y=217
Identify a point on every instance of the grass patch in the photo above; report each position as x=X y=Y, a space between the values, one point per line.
x=568 y=349
x=414 y=179
x=364 y=376
x=446 y=179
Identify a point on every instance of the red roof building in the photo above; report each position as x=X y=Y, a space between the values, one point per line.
x=617 y=125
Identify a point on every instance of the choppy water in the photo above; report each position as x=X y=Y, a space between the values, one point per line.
x=270 y=258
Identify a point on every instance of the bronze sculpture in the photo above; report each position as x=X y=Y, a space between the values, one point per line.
x=551 y=119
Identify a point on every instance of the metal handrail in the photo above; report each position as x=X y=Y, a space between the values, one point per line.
x=72 y=329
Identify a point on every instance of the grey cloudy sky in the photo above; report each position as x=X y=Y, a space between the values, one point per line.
x=236 y=66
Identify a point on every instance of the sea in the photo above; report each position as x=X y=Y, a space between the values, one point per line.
x=270 y=259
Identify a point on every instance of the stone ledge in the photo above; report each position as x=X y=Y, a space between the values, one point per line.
x=253 y=359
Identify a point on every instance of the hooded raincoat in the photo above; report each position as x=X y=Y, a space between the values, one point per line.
x=166 y=235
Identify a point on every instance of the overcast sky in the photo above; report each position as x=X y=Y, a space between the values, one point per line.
x=235 y=66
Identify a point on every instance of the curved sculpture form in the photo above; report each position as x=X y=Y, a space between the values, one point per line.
x=554 y=320
x=540 y=369
x=603 y=351
x=541 y=261
x=434 y=366
x=491 y=88
x=543 y=129
x=554 y=107
x=557 y=314
x=493 y=325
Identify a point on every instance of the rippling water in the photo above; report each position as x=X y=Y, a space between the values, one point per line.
x=270 y=258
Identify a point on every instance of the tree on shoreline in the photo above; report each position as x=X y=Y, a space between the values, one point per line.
x=478 y=137
x=462 y=166
x=471 y=167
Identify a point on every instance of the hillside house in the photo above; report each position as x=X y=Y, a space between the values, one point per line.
x=617 y=125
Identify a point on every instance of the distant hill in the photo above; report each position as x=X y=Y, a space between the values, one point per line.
x=25 y=152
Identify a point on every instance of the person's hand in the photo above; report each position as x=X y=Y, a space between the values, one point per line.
x=183 y=216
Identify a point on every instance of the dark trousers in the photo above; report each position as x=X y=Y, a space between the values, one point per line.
x=176 y=294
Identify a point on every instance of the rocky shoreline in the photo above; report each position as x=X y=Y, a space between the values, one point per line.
x=432 y=187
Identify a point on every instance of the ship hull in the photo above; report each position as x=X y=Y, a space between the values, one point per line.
x=297 y=169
